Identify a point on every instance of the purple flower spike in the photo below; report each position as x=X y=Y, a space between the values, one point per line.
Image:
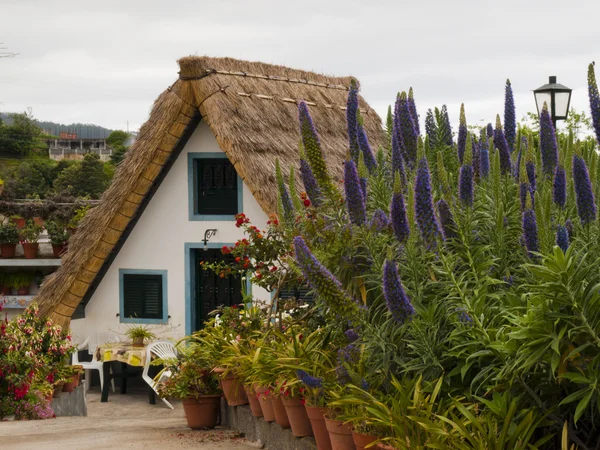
x=562 y=238
x=379 y=221
x=465 y=184
x=510 y=118
x=559 y=188
x=322 y=280
x=530 y=167
x=355 y=200
x=363 y=187
x=586 y=203
x=398 y=214
x=398 y=303
x=352 y=120
x=397 y=158
x=447 y=138
x=310 y=183
x=308 y=380
x=530 y=234
x=476 y=157
x=407 y=129
x=425 y=216
x=446 y=219
x=413 y=110
x=594 y=100
x=351 y=335
x=489 y=130
x=462 y=134
x=524 y=191
x=365 y=148
x=312 y=146
x=431 y=129
x=502 y=146
x=485 y=160
x=548 y=144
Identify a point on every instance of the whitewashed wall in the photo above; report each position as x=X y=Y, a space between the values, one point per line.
x=157 y=243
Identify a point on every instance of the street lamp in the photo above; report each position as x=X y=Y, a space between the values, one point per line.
x=556 y=96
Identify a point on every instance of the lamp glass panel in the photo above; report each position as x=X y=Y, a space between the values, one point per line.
x=540 y=98
x=562 y=103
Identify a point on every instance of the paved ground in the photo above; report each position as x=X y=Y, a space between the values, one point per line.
x=125 y=422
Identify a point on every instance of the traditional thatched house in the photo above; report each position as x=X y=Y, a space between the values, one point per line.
x=207 y=152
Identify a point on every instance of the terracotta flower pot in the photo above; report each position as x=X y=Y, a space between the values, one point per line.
x=69 y=387
x=362 y=440
x=340 y=435
x=58 y=250
x=317 y=421
x=281 y=417
x=39 y=221
x=254 y=402
x=202 y=412
x=24 y=290
x=8 y=250
x=30 y=249
x=138 y=341
x=5 y=290
x=58 y=387
x=234 y=392
x=266 y=403
x=296 y=412
x=19 y=222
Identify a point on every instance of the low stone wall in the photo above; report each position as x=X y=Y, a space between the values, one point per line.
x=70 y=404
x=269 y=434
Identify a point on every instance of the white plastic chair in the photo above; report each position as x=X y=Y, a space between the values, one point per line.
x=88 y=366
x=163 y=350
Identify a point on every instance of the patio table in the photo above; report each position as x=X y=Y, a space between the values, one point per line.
x=126 y=354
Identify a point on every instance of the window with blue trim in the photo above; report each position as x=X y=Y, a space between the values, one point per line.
x=143 y=296
x=215 y=187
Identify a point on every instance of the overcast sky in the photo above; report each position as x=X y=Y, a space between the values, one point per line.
x=105 y=62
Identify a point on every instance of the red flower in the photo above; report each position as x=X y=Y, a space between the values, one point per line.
x=225 y=250
x=234 y=306
x=273 y=269
x=307 y=203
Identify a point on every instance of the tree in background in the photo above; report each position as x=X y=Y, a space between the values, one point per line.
x=87 y=178
x=21 y=137
x=117 y=140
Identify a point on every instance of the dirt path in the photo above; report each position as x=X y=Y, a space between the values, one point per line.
x=125 y=422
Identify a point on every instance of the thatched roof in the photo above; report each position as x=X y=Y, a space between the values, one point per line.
x=252 y=110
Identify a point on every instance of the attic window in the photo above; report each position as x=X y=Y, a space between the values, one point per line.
x=215 y=188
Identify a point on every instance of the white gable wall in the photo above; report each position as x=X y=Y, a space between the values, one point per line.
x=157 y=243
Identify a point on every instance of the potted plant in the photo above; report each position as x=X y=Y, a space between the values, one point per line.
x=21 y=281
x=197 y=389
x=59 y=237
x=18 y=220
x=78 y=217
x=9 y=238
x=5 y=283
x=137 y=333
x=30 y=236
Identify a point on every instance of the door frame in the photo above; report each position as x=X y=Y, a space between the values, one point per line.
x=190 y=279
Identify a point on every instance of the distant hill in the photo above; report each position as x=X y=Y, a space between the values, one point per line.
x=83 y=130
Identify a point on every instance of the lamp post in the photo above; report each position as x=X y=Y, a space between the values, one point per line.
x=556 y=96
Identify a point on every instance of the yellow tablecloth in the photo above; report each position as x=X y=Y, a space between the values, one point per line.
x=122 y=352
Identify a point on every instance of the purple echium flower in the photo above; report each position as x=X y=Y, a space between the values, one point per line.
x=489 y=130
x=465 y=184
x=286 y=201
x=413 y=110
x=425 y=216
x=562 y=238
x=462 y=134
x=351 y=335
x=530 y=234
x=502 y=146
x=530 y=167
x=510 y=118
x=363 y=187
x=447 y=127
x=398 y=213
x=322 y=280
x=559 y=188
x=586 y=202
x=397 y=158
x=365 y=148
x=524 y=191
x=446 y=219
x=379 y=221
x=407 y=129
x=308 y=380
x=594 y=100
x=352 y=120
x=431 y=128
x=355 y=199
x=312 y=146
x=398 y=303
x=548 y=144
x=310 y=183
x=476 y=157
x=485 y=160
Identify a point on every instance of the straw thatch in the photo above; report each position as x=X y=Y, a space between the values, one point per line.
x=252 y=110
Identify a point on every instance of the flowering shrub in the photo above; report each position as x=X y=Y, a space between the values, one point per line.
x=33 y=356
